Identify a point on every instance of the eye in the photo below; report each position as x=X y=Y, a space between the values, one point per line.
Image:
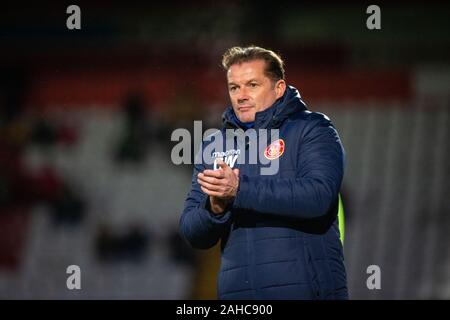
x=233 y=89
x=253 y=85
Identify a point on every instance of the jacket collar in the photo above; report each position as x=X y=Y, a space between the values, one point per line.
x=274 y=116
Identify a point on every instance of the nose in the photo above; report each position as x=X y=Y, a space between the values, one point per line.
x=242 y=96
x=243 y=100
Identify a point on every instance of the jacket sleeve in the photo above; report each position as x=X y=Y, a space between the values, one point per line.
x=316 y=185
x=198 y=225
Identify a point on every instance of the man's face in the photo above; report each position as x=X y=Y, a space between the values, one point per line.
x=251 y=90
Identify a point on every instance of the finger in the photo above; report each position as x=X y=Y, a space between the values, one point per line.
x=211 y=180
x=209 y=186
x=219 y=174
x=223 y=165
x=211 y=193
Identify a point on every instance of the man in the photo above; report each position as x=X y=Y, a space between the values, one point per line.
x=279 y=233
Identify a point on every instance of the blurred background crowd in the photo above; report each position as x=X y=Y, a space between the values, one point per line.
x=86 y=118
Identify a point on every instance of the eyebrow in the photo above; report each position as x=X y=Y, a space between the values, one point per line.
x=235 y=84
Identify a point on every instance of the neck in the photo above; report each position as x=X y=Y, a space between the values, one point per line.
x=245 y=125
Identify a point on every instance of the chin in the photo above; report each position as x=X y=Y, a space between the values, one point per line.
x=247 y=118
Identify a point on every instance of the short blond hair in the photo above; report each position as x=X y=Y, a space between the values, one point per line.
x=274 y=64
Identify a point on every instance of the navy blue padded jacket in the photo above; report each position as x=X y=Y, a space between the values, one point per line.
x=280 y=236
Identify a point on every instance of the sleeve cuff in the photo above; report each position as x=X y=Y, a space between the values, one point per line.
x=212 y=217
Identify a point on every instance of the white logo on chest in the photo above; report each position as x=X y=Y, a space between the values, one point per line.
x=229 y=157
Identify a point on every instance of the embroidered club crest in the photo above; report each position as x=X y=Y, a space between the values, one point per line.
x=274 y=150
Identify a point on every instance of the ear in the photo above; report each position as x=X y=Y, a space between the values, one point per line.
x=280 y=88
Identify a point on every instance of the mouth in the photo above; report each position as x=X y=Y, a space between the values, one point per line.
x=245 y=108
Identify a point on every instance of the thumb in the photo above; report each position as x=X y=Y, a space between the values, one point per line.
x=236 y=172
x=222 y=164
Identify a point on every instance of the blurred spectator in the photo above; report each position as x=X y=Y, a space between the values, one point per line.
x=180 y=251
x=68 y=208
x=44 y=133
x=133 y=142
x=117 y=247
